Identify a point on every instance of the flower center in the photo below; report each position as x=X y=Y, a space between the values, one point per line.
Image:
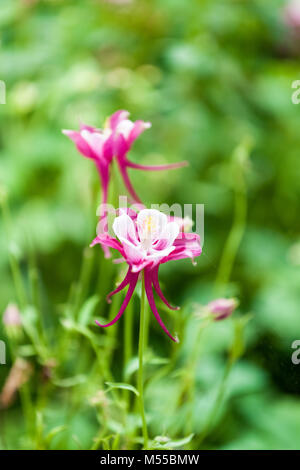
x=147 y=231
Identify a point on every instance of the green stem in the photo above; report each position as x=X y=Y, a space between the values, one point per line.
x=84 y=279
x=147 y=320
x=219 y=399
x=140 y=370
x=236 y=233
x=189 y=386
x=112 y=333
x=27 y=405
x=35 y=298
x=14 y=265
x=128 y=322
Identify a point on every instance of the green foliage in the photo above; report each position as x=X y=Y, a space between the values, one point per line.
x=214 y=77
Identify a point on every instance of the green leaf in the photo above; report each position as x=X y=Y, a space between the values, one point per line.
x=70 y=381
x=87 y=310
x=26 y=350
x=133 y=364
x=165 y=443
x=180 y=442
x=54 y=432
x=122 y=386
x=30 y=325
x=238 y=346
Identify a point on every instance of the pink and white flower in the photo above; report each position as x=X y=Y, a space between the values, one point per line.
x=145 y=241
x=114 y=141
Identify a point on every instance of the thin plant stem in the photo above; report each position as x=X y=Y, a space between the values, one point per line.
x=240 y=157
x=112 y=333
x=115 y=185
x=140 y=369
x=190 y=384
x=33 y=278
x=14 y=265
x=23 y=302
x=128 y=322
x=84 y=279
x=147 y=320
x=236 y=233
x=175 y=351
x=217 y=404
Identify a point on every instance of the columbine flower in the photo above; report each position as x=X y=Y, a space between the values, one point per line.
x=146 y=240
x=222 y=308
x=114 y=141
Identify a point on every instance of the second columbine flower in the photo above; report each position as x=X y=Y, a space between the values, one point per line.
x=114 y=141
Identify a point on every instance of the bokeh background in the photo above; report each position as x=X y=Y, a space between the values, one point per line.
x=215 y=79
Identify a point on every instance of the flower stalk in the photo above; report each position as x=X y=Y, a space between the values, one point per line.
x=239 y=164
x=141 y=358
x=14 y=264
x=217 y=404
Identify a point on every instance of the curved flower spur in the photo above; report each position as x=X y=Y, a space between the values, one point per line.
x=146 y=240
x=114 y=141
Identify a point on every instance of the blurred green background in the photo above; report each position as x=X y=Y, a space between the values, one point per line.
x=215 y=79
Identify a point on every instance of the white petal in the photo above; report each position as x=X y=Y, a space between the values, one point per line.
x=94 y=139
x=155 y=254
x=167 y=238
x=124 y=229
x=134 y=254
x=125 y=127
x=171 y=232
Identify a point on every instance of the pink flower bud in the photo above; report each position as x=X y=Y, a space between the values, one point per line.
x=222 y=308
x=11 y=316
